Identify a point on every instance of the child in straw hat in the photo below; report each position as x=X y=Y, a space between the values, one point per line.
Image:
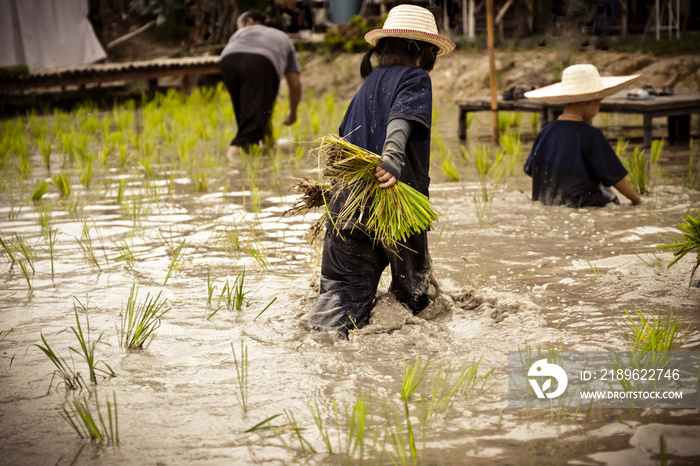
x=571 y=162
x=391 y=115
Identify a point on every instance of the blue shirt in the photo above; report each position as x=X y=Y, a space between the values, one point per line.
x=392 y=92
x=571 y=163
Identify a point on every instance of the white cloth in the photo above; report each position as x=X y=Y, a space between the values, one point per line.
x=47 y=34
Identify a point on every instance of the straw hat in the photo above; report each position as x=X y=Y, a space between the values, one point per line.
x=411 y=22
x=580 y=83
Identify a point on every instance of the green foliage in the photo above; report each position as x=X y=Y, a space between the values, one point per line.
x=90 y=424
x=87 y=347
x=690 y=240
x=39 y=190
x=241 y=363
x=350 y=37
x=649 y=333
x=637 y=167
x=141 y=320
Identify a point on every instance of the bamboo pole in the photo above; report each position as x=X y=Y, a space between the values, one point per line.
x=492 y=70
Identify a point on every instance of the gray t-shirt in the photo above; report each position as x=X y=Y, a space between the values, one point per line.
x=269 y=42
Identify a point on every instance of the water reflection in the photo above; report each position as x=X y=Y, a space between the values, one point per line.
x=519 y=273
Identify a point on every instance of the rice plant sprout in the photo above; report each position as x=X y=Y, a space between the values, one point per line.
x=412 y=378
x=66 y=373
x=242 y=374
x=141 y=320
x=87 y=346
x=91 y=425
x=689 y=241
x=649 y=333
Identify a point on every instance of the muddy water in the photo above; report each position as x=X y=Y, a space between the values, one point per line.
x=520 y=274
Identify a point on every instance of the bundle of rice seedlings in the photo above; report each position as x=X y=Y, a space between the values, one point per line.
x=394 y=213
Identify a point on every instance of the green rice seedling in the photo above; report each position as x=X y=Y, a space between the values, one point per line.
x=263 y=425
x=648 y=333
x=242 y=375
x=412 y=378
x=482 y=205
x=657 y=146
x=45 y=209
x=593 y=267
x=39 y=190
x=692 y=172
x=233 y=295
x=141 y=320
x=621 y=148
x=256 y=252
x=663 y=460
x=86 y=165
x=126 y=252
x=357 y=428
x=395 y=434
x=210 y=287
x=87 y=346
x=8 y=250
x=266 y=308
x=91 y=425
x=303 y=443
x=482 y=158
x=654 y=262
x=448 y=166
x=51 y=238
x=121 y=190
x=638 y=171
x=176 y=259
x=464 y=154
x=123 y=153
x=85 y=243
x=535 y=122
x=45 y=149
x=395 y=213
x=2 y=338
x=512 y=147
x=25 y=249
x=689 y=240
x=25 y=273
x=322 y=430
x=199 y=182
x=61 y=182
x=67 y=374
x=449 y=383
x=67 y=146
x=507 y=120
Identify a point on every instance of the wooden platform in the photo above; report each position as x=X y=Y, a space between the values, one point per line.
x=148 y=70
x=678 y=107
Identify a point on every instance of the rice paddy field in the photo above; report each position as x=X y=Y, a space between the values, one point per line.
x=154 y=298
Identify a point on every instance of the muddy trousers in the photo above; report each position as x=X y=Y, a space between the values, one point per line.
x=350 y=271
x=252 y=82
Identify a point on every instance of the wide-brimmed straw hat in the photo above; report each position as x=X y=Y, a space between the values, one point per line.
x=580 y=83
x=411 y=22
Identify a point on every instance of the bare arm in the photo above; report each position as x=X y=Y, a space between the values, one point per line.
x=628 y=191
x=294 y=84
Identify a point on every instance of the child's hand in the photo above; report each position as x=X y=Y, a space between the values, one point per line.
x=386 y=179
